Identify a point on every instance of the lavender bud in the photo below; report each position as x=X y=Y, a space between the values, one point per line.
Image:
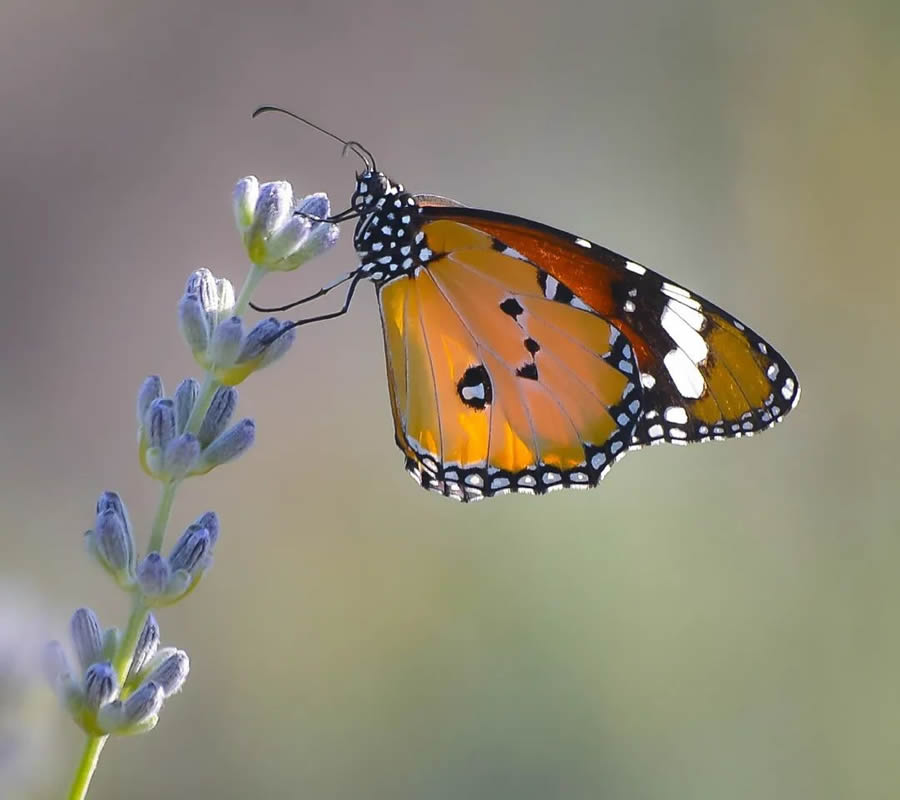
x=170 y=672
x=145 y=649
x=210 y=521
x=87 y=636
x=244 y=198
x=194 y=323
x=191 y=550
x=202 y=283
x=55 y=664
x=229 y=445
x=151 y=389
x=180 y=455
x=153 y=574
x=218 y=415
x=113 y=543
x=226 y=342
x=314 y=205
x=280 y=345
x=161 y=423
x=262 y=335
x=184 y=398
x=143 y=706
x=99 y=684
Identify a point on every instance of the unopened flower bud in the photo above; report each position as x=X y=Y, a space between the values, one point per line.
x=87 y=636
x=100 y=684
x=184 y=399
x=151 y=389
x=145 y=649
x=170 y=671
x=153 y=574
x=228 y=446
x=218 y=415
x=191 y=551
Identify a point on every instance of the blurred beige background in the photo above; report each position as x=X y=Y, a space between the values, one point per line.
x=713 y=622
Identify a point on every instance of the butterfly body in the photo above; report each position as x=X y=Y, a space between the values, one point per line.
x=521 y=358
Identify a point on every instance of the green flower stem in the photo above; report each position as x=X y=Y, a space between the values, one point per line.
x=125 y=652
x=256 y=274
x=86 y=767
x=207 y=390
x=161 y=520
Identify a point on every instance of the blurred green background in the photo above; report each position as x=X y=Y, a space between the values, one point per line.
x=713 y=622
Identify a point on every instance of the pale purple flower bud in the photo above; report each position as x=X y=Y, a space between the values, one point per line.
x=184 y=399
x=161 y=419
x=180 y=455
x=218 y=415
x=145 y=649
x=226 y=342
x=100 y=684
x=153 y=574
x=194 y=323
x=192 y=550
x=230 y=444
x=87 y=636
x=170 y=672
x=151 y=389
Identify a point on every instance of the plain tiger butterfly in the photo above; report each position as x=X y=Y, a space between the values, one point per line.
x=521 y=358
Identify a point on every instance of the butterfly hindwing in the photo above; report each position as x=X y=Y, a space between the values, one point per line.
x=494 y=386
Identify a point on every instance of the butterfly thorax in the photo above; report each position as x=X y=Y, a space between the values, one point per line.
x=388 y=237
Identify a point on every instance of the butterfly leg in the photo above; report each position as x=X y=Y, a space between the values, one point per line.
x=323 y=291
x=356 y=277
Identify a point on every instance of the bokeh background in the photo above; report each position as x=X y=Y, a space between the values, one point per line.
x=712 y=622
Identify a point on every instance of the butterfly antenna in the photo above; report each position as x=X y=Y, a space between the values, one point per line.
x=355 y=147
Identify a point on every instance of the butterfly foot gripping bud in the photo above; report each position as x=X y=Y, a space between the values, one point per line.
x=217 y=337
x=279 y=232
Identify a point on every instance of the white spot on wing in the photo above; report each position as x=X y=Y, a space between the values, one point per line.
x=550 y=288
x=636 y=268
x=676 y=414
x=691 y=316
x=684 y=336
x=672 y=290
x=583 y=243
x=684 y=372
x=471 y=392
x=647 y=380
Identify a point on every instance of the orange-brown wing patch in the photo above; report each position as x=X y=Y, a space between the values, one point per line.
x=705 y=375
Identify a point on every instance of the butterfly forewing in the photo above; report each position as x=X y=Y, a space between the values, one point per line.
x=704 y=374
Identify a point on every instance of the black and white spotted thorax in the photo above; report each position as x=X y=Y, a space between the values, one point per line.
x=388 y=237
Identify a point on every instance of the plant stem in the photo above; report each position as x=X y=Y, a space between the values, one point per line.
x=207 y=390
x=161 y=520
x=85 y=771
x=122 y=659
x=252 y=280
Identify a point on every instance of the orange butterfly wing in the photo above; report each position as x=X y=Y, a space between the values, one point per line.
x=704 y=374
x=494 y=386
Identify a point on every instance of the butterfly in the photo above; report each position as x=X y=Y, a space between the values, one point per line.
x=521 y=358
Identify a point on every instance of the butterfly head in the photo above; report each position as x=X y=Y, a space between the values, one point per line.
x=371 y=187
